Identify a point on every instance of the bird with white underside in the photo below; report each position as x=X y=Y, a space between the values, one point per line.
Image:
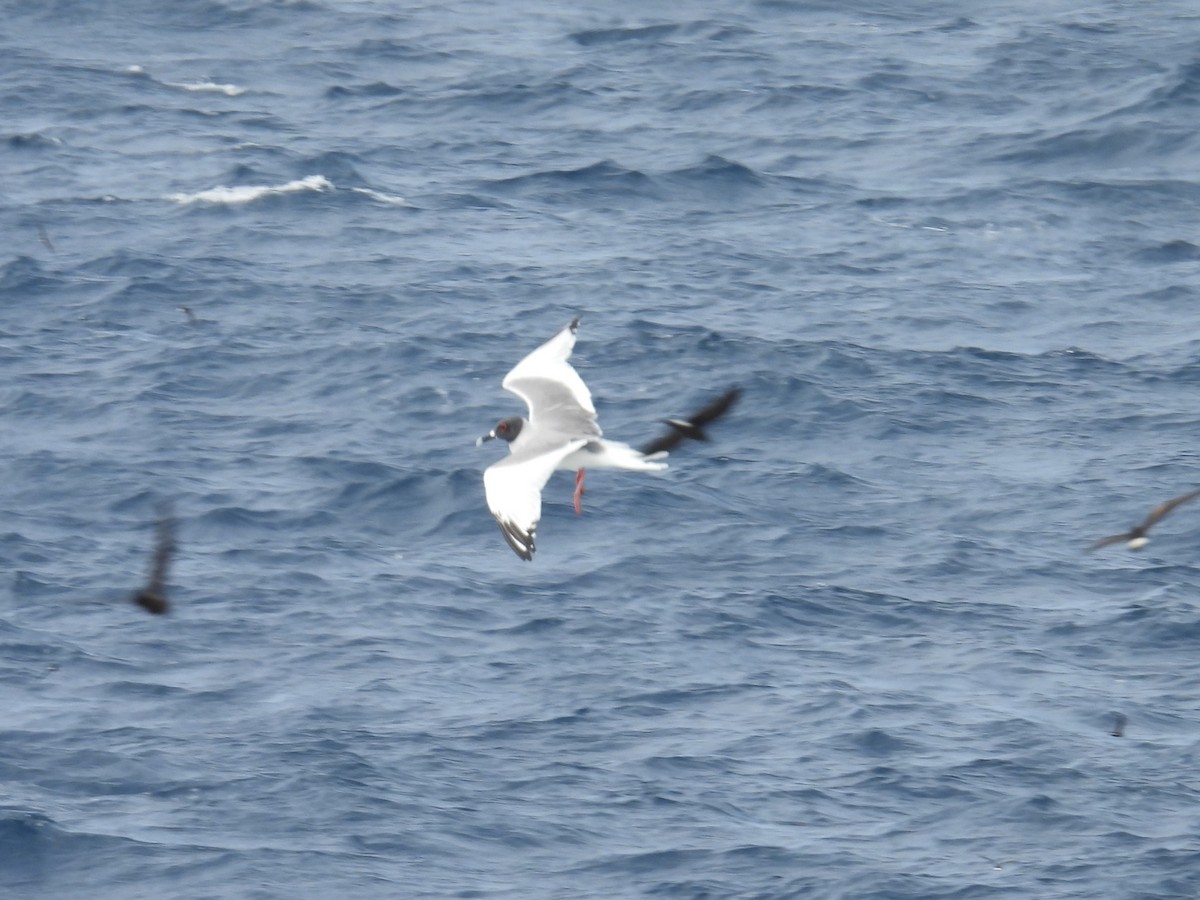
x=559 y=433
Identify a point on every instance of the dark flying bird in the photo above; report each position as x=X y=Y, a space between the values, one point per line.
x=194 y=319
x=153 y=597
x=45 y=239
x=1136 y=537
x=692 y=428
x=191 y=316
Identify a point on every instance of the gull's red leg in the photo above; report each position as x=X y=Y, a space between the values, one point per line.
x=579 y=492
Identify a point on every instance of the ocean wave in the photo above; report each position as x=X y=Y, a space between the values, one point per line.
x=715 y=175
x=713 y=178
x=1176 y=251
x=372 y=89
x=248 y=193
x=33 y=140
x=380 y=197
x=602 y=179
x=235 y=196
x=646 y=33
x=229 y=90
x=204 y=86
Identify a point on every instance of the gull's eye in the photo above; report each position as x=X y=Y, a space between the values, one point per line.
x=502 y=427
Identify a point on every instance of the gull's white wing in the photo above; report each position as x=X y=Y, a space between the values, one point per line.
x=555 y=394
x=514 y=493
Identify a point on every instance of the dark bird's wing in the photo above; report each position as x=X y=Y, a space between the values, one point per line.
x=716 y=408
x=153 y=597
x=1164 y=508
x=163 y=548
x=667 y=441
x=692 y=428
x=1119 y=723
x=45 y=239
x=1112 y=539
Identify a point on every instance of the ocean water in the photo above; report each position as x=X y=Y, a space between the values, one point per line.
x=851 y=648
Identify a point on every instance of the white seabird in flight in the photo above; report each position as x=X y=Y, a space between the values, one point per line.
x=560 y=433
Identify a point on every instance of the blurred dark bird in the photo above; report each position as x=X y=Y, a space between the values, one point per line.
x=1119 y=722
x=194 y=319
x=153 y=597
x=692 y=428
x=45 y=239
x=1137 y=537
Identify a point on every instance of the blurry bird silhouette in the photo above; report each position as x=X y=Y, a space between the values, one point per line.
x=153 y=597
x=692 y=428
x=45 y=239
x=1137 y=537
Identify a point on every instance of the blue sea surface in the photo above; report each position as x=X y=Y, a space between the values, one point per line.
x=850 y=648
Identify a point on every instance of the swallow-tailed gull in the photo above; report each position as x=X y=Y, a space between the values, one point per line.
x=560 y=433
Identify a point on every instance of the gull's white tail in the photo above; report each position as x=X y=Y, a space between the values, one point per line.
x=615 y=455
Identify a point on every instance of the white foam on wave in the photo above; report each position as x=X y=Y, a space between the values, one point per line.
x=390 y=199
x=208 y=86
x=229 y=90
x=247 y=193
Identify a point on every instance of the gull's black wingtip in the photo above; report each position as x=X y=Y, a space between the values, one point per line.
x=574 y=326
x=522 y=543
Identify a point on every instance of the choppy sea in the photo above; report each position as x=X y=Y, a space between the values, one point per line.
x=850 y=648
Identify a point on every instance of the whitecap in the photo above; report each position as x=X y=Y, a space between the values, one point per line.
x=390 y=199
x=247 y=193
x=229 y=90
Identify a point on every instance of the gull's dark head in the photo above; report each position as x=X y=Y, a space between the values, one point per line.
x=506 y=430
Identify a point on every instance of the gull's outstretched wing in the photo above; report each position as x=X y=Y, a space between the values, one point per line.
x=558 y=400
x=514 y=492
